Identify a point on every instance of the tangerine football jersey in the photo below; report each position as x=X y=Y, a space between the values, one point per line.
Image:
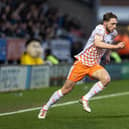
x=92 y=55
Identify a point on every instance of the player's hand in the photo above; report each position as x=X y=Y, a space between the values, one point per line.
x=120 y=45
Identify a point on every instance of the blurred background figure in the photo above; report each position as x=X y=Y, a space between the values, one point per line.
x=77 y=47
x=33 y=53
x=115 y=57
x=123 y=36
x=51 y=59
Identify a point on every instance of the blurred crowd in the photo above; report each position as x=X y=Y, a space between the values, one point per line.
x=34 y=18
x=37 y=19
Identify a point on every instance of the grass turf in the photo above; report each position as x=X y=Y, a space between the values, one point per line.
x=110 y=113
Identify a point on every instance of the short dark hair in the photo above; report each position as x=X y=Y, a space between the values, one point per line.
x=32 y=40
x=108 y=16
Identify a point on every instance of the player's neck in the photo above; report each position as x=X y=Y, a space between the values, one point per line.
x=107 y=32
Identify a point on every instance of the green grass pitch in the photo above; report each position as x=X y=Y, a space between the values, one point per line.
x=108 y=113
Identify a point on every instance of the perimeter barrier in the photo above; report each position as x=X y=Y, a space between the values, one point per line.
x=19 y=77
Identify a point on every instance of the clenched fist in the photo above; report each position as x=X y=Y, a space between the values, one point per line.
x=120 y=45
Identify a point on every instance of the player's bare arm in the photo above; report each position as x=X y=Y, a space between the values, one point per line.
x=100 y=44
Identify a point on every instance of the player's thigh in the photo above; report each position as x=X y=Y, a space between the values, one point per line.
x=77 y=72
x=102 y=75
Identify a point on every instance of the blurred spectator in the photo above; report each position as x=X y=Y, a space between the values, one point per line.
x=51 y=59
x=123 y=36
x=76 y=48
x=115 y=57
x=33 y=53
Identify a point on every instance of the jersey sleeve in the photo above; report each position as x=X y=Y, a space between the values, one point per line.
x=99 y=32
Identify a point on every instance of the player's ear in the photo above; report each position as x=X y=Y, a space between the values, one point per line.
x=104 y=23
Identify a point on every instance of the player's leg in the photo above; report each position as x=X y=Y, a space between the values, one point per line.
x=104 y=78
x=67 y=87
x=73 y=77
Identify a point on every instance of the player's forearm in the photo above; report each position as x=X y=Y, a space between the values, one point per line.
x=104 y=45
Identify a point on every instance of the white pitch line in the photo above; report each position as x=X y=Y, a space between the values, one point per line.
x=66 y=103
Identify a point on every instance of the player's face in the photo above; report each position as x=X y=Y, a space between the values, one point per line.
x=111 y=24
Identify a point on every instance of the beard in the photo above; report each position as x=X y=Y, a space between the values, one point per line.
x=109 y=31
